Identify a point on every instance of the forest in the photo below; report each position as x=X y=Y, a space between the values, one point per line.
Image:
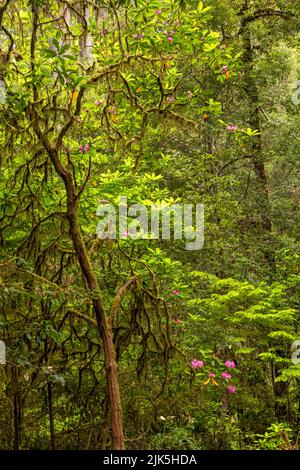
x=149 y=225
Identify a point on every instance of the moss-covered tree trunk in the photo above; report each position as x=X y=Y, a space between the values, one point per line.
x=111 y=366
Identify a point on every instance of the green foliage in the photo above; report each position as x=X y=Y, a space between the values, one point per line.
x=163 y=102
x=275 y=438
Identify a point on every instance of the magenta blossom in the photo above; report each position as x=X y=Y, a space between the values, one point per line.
x=99 y=102
x=230 y=364
x=177 y=321
x=211 y=374
x=231 y=389
x=197 y=364
x=112 y=110
x=170 y=99
x=125 y=233
x=226 y=376
x=231 y=128
x=139 y=36
x=84 y=149
x=224 y=68
x=176 y=292
x=171 y=32
x=169 y=39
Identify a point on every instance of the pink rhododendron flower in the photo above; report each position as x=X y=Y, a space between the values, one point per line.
x=211 y=374
x=169 y=39
x=171 y=32
x=230 y=364
x=99 y=102
x=197 y=364
x=231 y=389
x=231 y=128
x=176 y=292
x=177 y=321
x=112 y=110
x=224 y=68
x=126 y=233
x=225 y=375
x=84 y=149
x=139 y=36
x=171 y=99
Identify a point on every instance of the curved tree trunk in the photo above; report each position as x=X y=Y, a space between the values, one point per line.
x=111 y=366
x=88 y=273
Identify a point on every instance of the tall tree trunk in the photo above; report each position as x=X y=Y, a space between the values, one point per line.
x=51 y=416
x=104 y=329
x=92 y=283
x=17 y=409
x=85 y=41
x=263 y=197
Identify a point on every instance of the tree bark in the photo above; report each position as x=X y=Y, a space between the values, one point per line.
x=257 y=149
x=111 y=366
x=104 y=328
x=17 y=409
x=51 y=417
